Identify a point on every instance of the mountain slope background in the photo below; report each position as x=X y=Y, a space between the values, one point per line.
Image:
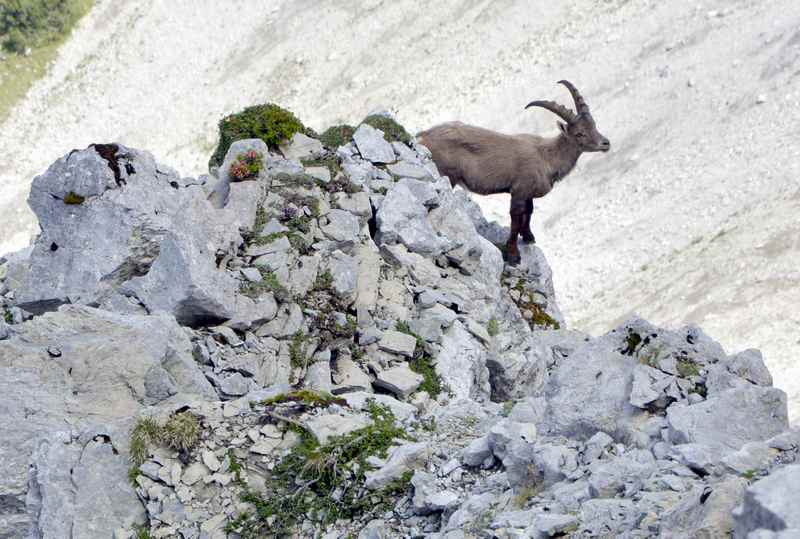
x=692 y=217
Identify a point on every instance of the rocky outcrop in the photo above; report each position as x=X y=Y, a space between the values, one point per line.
x=363 y=278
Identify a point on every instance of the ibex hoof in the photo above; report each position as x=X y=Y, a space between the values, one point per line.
x=528 y=238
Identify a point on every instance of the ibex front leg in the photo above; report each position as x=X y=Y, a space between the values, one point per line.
x=527 y=235
x=517 y=218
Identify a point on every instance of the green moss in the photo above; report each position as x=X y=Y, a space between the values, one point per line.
x=73 y=198
x=141 y=533
x=181 y=433
x=749 y=474
x=133 y=473
x=267 y=122
x=392 y=131
x=337 y=135
x=687 y=368
x=493 y=328
x=307 y=397
x=297 y=350
x=324 y=483
x=7 y=316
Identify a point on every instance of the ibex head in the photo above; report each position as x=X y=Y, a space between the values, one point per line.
x=579 y=126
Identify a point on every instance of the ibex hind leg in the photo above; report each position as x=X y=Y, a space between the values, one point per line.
x=517 y=217
x=527 y=235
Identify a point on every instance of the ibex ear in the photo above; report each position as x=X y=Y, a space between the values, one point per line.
x=562 y=127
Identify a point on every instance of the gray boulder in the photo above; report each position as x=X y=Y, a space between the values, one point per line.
x=403 y=219
x=772 y=503
x=731 y=418
x=372 y=146
x=125 y=228
x=74 y=411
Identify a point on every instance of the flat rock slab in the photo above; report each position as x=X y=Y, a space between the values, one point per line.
x=399 y=343
x=400 y=380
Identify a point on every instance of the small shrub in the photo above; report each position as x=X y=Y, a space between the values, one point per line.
x=246 y=166
x=7 y=316
x=268 y=283
x=297 y=350
x=493 y=328
x=422 y=363
x=324 y=483
x=306 y=397
x=324 y=281
x=267 y=122
x=181 y=433
x=337 y=135
x=392 y=131
x=146 y=433
x=687 y=368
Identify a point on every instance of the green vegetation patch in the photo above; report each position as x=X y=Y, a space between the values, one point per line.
x=392 y=131
x=246 y=166
x=493 y=327
x=687 y=368
x=324 y=483
x=73 y=199
x=268 y=283
x=330 y=161
x=538 y=317
x=39 y=25
x=181 y=432
x=337 y=135
x=268 y=122
x=422 y=363
x=297 y=350
x=306 y=397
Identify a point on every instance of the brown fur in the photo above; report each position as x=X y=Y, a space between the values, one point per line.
x=526 y=166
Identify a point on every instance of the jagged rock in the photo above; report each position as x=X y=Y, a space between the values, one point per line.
x=505 y=432
x=622 y=475
x=461 y=363
x=349 y=375
x=342 y=226
x=396 y=342
x=706 y=511
x=288 y=321
x=400 y=380
x=132 y=235
x=403 y=219
x=428 y=498
x=730 y=418
x=749 y=364
x=401 y=459
x=610 y=517
x=302 y=147
x=372 y=146
x=194 y=473
x=770 y=504
x=477 y=453
x=474 y=508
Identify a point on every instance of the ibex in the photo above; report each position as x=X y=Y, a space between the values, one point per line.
x=526 y=166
